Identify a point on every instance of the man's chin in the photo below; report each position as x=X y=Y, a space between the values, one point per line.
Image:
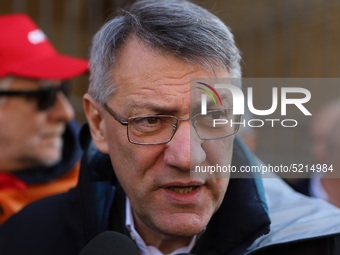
x=51 y=152
x=47 y=160
x=185 y=225
x=50 y=157
x=52 y=162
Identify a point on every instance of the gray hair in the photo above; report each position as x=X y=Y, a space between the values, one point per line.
x=178 y=27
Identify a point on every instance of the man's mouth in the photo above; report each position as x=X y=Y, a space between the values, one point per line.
x=53 y=132
x=183 y=190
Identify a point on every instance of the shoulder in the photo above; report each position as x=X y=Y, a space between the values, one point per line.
x=40 y=226
x=298 y=221
x=315 y=246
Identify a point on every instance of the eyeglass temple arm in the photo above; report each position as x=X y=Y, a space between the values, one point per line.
x=114 y=115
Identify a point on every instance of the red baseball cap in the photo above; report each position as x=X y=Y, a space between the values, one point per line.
x=26 y=52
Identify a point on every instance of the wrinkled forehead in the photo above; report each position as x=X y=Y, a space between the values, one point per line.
x=140 y=67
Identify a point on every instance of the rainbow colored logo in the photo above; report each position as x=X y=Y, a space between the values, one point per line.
x=210 y=93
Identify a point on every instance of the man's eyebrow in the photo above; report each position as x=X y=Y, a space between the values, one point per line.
x=152 y=107
x=225 y=98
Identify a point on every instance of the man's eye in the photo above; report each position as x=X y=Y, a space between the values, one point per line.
x=218 y=114
x=151 y=120
x=146 y=121
x=150 y=125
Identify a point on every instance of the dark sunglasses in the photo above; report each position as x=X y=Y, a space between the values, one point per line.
x=46 y=97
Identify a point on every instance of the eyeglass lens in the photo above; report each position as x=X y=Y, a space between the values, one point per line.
x=151 y=129
x=160 y=129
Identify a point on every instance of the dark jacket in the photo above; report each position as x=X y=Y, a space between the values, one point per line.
x=64 y=224
x=302 y=186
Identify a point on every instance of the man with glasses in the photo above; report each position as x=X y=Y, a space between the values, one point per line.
x=150 y=70
x=39 y=152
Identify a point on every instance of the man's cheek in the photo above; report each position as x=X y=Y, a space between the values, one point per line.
x=218 y=151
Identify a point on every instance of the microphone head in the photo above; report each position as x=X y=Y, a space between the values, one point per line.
x=110 y=243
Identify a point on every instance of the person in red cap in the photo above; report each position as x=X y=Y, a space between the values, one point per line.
x=39 y=151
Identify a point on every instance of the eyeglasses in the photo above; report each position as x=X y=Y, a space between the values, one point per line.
x=46 y=97
x=160 y=129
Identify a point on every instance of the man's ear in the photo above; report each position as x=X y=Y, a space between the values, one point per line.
x=95 y=120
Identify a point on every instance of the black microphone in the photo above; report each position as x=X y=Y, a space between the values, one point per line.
x=110 y=243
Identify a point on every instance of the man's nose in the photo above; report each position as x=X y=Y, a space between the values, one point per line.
x=62 y=110
x=184 y=150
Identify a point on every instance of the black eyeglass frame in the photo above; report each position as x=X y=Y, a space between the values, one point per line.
x=125 y=122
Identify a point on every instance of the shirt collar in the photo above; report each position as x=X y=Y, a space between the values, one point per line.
x=148 y=249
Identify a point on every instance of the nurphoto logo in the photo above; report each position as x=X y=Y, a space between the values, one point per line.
x=280 y=98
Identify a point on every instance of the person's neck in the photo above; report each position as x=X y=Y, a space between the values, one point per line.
x=166 y=244
x=332 y=188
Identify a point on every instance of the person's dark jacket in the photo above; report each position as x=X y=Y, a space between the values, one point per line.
x=302 y=186
x=65 y=223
